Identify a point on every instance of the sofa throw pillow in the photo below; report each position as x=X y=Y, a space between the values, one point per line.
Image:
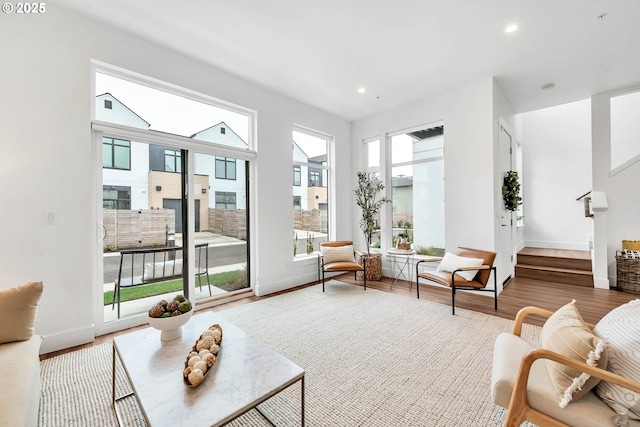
x=337 y=254
x=621 y=330
x=18 y=309
x=451 y=263
x=566 y=333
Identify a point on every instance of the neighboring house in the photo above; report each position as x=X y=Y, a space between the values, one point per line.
x=141 y=176
x=226 y=175
x=125 y=164
x=309 y=184
x=402 y=192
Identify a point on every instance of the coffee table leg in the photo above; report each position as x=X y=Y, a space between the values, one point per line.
x=302 y=401
x=115 y=399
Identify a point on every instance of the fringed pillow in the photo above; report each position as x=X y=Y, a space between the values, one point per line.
x=566 y=333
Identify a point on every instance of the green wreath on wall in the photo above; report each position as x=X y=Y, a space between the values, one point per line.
x=511 y=191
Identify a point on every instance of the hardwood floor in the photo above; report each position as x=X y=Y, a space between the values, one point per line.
x=592 y=303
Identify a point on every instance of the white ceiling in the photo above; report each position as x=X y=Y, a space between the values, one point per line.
x=321 y=52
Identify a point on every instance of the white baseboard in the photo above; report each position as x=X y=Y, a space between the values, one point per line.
x=600 y=283
x=557 y=245
x=67 y=339
x=262 y=289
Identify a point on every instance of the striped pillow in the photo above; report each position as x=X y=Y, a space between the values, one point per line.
x=565 y=333
x=621 y=329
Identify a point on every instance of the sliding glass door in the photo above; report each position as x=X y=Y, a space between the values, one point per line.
x=174 y=209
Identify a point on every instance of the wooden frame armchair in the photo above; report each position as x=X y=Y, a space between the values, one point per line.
x=456 y=281
x=340 y=256
x=526 y=390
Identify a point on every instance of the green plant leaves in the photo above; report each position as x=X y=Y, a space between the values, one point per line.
x=511 y=191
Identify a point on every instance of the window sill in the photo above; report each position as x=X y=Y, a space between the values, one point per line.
x=306 y=258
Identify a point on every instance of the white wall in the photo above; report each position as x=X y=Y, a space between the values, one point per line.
x=556 y=145
x=506 y=238
x=45 y=113
x=623 y=198
x=469 y=158
x=625 y=128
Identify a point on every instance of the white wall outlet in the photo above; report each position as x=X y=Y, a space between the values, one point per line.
x=51 y=217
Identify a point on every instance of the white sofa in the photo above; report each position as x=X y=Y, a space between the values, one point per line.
x=20 y=386
x=20 y=390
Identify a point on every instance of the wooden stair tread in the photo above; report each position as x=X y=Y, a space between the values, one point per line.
x=566 y=267
x=554 y=269
x=556 y=253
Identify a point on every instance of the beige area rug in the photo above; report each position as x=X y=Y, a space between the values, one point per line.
x=371 y=359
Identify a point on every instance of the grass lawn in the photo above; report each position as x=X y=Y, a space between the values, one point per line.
x=159 y=288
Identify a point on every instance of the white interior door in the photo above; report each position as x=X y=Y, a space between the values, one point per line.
x=507 y=223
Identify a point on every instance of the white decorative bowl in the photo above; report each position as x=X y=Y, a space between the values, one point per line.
x=171 y=327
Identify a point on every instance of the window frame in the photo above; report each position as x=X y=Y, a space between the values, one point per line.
x=226 y=161
x=226 y=194
x=297 y=175
x=112 y=150
x=190 y=146
x=327 y=171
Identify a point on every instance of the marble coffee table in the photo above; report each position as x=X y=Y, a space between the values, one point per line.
x=246 y=374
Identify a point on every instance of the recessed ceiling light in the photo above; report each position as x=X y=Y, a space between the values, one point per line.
x=362 y=90
x=511 y=28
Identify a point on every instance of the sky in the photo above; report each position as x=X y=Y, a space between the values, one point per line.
x=170 y=113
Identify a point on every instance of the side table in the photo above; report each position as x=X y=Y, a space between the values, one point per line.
x=401 y=261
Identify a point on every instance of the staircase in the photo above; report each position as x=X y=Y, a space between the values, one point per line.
x=569 y=267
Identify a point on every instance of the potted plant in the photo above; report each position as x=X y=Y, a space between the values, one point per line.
x=403 y=237
x=511 y=191
x=367 y=198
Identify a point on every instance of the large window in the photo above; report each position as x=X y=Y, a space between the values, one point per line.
x=417 y=182
x=625 y=128
x=116 y=153
x=311 y=202
x=166 y=195
x=373 y=155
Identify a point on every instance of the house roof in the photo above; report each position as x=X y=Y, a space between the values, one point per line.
x=104 y=95
x=218 y=126
x=401 y=181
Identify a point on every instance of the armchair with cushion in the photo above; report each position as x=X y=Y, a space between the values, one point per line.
x=562 y=381
x=340 y=256
x=469 y=270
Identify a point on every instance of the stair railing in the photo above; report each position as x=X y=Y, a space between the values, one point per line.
x=587 y=204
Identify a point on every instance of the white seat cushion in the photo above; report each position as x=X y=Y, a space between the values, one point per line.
x=20 y=391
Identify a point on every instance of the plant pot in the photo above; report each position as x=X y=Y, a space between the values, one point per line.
x=374 y=266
